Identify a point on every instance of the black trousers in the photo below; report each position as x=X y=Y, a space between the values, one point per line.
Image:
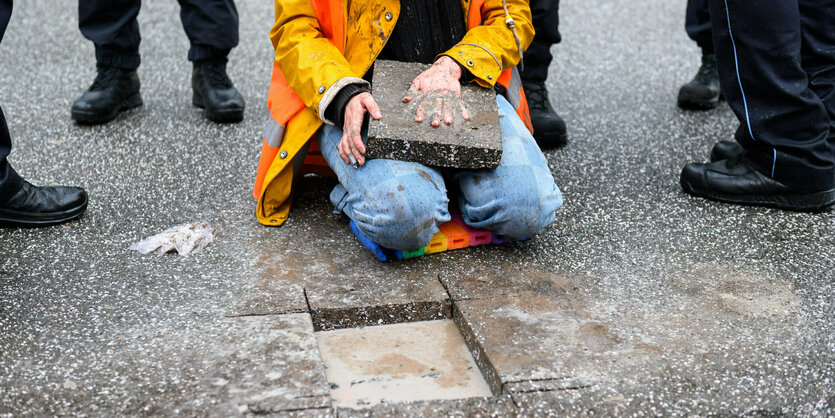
x=546 y=22
x=776 y=63
x=10 y=181
x=697 y=24
x=211 y=27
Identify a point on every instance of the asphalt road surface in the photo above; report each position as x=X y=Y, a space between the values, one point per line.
x=637 y=300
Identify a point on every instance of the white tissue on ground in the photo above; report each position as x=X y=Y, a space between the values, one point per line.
x=185 y=239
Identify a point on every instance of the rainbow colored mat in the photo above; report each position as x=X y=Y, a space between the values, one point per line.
x=453 y=235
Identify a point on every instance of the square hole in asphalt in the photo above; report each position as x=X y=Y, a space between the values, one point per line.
x=398 y=363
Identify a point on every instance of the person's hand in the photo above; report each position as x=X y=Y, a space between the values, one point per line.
x=351 y=142
x=439 y=90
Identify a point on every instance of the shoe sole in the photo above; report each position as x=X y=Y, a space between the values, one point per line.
x=218 y=116
x=15 y=219
x=90 y=118
x=692 y=104
x=810 y=202
x=551 y=140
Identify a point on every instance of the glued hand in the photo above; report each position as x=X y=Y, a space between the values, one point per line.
x=440 y=91
x=351 y=142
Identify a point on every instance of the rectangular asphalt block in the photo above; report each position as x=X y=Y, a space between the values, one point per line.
x=358 y=290
x=476 y=143
x=495 y=406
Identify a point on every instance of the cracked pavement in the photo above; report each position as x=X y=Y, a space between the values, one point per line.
x=638 y=300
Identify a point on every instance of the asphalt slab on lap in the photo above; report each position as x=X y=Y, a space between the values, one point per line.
x=637 y=300
x=472 y=144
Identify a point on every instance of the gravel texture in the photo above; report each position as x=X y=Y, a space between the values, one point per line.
x=638 y=300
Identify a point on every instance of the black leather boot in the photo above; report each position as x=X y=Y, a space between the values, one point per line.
x=113 y=91
x=215 y=93
x=733 y=181
x=34 y=206
x=703 y=92
x=548 y=127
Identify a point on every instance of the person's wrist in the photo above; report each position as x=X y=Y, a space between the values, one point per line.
x=450 y=65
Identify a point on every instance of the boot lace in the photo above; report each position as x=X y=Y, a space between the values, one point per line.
x=537 y=96
x=707 y=72
x=104 y=77
x=215 y=74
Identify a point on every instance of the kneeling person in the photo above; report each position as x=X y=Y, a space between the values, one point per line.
x=397 y=204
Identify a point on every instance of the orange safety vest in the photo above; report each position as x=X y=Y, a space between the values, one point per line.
x=284 y=105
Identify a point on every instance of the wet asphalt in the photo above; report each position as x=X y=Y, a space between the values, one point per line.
x=700 y=307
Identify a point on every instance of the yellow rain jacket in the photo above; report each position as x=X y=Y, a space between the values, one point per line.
x=323 y=45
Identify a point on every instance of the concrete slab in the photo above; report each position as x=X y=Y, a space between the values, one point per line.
x=223 y=367
x=499 y=406
x=476 y=143
x=630 y=401
x=502 y=278
x=399 y=363
x=358 y=290
x=585 y=351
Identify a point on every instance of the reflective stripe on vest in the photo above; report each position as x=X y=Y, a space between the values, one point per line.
x=273 y=134
x=514 y=88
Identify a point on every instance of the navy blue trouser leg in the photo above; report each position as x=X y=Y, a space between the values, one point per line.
x=818 y=54
x=10 y=181
x=777 y=68
x=211 y=26
x=5 y=15
x=697 y=24
x=546 y=17
x=112 y=26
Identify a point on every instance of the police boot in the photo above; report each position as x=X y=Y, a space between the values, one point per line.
x=215 y=93
x=548 y=127
x=734 y=181
x=33 y=206
x=113 y=91
x=702 y=93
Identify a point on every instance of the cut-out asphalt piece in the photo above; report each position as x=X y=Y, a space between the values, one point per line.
x=473 y=143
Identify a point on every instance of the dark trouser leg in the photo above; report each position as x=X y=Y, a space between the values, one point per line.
x=697 y=24
x=784 y=124
x=545 y=15
x=548 y=128
x=112 y=26
x=211 y=27
x=5 y=15
x=818 y=54
x=10 y=181
x=701 y=93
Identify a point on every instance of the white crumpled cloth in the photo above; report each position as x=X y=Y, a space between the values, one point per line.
x=186 y=239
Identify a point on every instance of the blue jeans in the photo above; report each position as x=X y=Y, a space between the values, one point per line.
x=400 y=204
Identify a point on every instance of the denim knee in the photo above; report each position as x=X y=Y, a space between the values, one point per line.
x=403 y=212
x=514 y=202
x=526 y=215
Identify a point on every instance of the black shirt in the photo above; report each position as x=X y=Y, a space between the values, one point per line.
x=425 y=29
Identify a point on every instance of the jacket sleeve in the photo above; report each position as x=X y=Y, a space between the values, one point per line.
x=313 y=66
x=490 y=48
